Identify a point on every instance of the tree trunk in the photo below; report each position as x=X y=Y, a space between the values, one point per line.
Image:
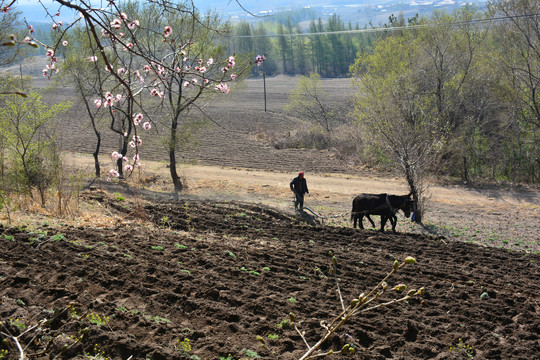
x=178 y=186
x=465 y=170
x=413 y=188
x=96 y=154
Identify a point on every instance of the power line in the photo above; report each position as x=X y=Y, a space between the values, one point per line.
x=384 y=29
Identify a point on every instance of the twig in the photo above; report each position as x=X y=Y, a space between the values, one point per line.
x=358 y=305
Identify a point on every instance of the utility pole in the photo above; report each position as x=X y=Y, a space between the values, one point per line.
x=264 y=85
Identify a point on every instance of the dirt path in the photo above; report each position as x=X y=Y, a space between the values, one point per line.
x=495 y=217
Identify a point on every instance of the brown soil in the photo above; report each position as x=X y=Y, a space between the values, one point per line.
x=221 y=273
x=135 y=275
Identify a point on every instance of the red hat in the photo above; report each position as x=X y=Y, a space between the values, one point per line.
x=301 y=174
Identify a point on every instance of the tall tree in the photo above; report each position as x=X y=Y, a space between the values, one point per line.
x=517 y=57
x=413 y=92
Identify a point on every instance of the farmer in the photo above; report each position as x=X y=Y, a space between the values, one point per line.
x=299 y=188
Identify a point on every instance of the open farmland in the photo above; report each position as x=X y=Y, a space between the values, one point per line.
x=139 y=273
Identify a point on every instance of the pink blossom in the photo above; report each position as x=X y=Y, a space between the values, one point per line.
x=54 y=26
x=136 y=157
x=224 y=88
x=231 y=61
x=147 y=68
x=234 y=76
x=31 y=28
x=65 y=43
x=138 y=74
x=259 y=59
x=186 y=84
x=167 y=31
x=133 y=24
x=137 y=139
x=49 y=53
x=210 y=62
x=137 y=119
x=123 y=16
x=132 y=144
x=202 y=69
x=98 y=102
x=92 y=58
x=116 y=23
x=147 y=126
x=116 y=155
x=60 y=23
x=224 y=69
x=194 y=81
x=206 y=81
x=129 y=168
x=27 y=40
x=113 y=173
x=125 y=159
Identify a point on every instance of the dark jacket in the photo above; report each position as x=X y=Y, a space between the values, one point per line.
x=299 y=186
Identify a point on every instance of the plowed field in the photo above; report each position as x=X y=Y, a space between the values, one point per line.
x=221 y=273
x=146 y=277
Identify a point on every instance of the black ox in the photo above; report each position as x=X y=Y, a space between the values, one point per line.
x=384 y=205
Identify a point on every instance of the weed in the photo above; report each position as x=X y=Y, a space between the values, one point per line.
x=463 y=348
x=266 y=268
x=96 y=319
x=188 y=217
x=284 y=324
x=21 y=303
x=3 y=354
x=179 y=246
x=8 y=237
x=164 y=221
x=128 y=256
x=121 y=309
x=291 y=299
x=273 y=336
x=98 y=354
x=58 y=237
x=185 y=345
x=186 y=271
x=250 y=353
x=119 y=197
x=231 y=254
x=18 y=323
x=73 y=312
x=158 y=248
x=253 y=272
x=157 y=319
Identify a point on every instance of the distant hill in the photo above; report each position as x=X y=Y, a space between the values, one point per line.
x=361 y=11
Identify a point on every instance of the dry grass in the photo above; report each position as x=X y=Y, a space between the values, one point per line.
x=496 y=218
